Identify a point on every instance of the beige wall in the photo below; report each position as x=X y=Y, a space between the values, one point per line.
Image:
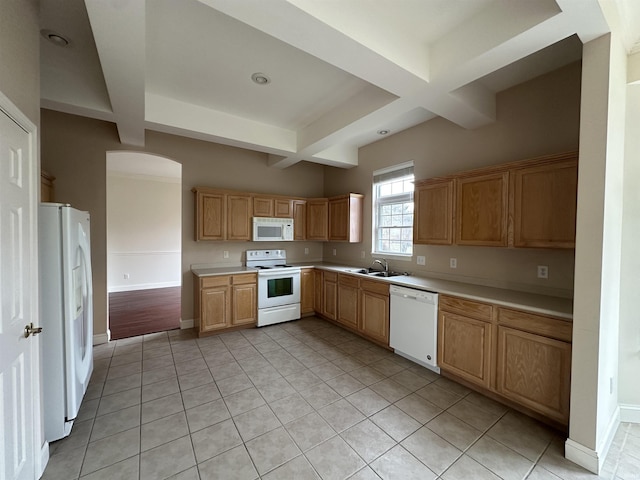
x=536 y=118
x=19 y=55
x=74 y=151
x=144 y=231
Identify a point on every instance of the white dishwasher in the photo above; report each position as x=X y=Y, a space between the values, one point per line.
x=414 y=325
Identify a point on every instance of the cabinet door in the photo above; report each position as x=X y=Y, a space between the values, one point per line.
x=239 y=217
x=534 y=371
x=299 y=220
x=317 y=219
x=348 y=300
x=262 y=207
x=374 y=315
x=210 y=216
x=345 y=218
x=307 y=290
x=434 y=213
x=464 y=347
x=244 y=304
x=330 y=296
x=545 y=199
x=339 y=219
x=283 y=208
x=482 y=210
x=215 y=308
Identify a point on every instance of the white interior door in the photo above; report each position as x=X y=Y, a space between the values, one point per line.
x=20 y=423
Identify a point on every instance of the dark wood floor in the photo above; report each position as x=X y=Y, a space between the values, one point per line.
x=144 y=311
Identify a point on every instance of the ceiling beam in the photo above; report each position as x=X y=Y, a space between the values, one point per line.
x=122 y=56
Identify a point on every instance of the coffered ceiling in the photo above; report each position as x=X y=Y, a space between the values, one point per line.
x=339 y=71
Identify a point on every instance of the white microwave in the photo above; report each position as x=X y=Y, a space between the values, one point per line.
x=267 y=229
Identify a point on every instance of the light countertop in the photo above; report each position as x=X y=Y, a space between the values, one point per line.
x=531 y=302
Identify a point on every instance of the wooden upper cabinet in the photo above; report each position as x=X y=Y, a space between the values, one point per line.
x=433 y=218
x=238 y=217
x=299 y=219
x=283 y=208
x=482 y=209
x=272 y=207
x=544 y=203
x=317 y=219
x=211 y=216
x=263 y=207
x=345 y=218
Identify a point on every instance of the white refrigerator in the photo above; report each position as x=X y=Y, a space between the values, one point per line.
x=66 y=314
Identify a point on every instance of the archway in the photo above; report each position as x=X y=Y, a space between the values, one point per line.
x=144 y=210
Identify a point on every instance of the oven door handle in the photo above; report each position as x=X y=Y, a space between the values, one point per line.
x=278 y=273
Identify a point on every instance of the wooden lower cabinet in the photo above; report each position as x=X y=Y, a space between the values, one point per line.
x=225 y=301
x=374 y=310
x=464 y=347
x=307 y=291
x=244 y=300
x=330 y=295
x=348 y=291
x=361 y=305
x=533 y=365
x=521 y=357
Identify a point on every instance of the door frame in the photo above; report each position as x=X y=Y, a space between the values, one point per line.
x=40 y=447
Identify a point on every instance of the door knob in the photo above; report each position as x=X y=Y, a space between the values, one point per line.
x=31 y=330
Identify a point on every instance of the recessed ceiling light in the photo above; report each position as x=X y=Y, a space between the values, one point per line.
x=384 y=132
x=260 y=78
x=56 y=38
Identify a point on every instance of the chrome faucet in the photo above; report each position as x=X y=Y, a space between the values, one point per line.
x=383 y=263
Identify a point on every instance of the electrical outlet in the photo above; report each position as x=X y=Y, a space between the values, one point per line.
x=225 y=254
x=126 y=276
x=335 y=252
x=453 y=263
x=421 y=260
x=543 y=271
x=306 y=251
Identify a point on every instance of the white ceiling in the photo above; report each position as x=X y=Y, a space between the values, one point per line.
x=340 y=70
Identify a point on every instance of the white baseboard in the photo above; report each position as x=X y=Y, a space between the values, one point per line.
x=102 y=338
x=588 y=458
x=630 y=413
x=142 y=286
x=184 y=324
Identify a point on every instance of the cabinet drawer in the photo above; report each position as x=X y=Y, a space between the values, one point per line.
x=374 y=286
x=330 y=276
x=216 y=281
x=551 y=327
x=244 y=279
x=470 y=308
x=348 y=280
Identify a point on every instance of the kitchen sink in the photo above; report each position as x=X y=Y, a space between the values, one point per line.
x=385 y=274
x=374 y=273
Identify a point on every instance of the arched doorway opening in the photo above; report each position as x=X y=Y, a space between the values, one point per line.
x=144 y=243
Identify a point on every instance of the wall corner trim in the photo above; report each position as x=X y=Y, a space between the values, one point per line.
x=590 y=459
x=184 y=324
x=630 y=413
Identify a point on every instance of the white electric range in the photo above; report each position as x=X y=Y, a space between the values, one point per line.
x=278 y=286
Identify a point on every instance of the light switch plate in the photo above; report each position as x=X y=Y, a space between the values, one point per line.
x=421 y=260
x=225 y=254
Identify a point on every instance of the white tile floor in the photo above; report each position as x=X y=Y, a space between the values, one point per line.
x=301 y=400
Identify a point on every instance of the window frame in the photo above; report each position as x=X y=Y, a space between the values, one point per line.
x=386 y=175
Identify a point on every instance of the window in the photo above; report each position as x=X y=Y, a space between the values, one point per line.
x=393 y=210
